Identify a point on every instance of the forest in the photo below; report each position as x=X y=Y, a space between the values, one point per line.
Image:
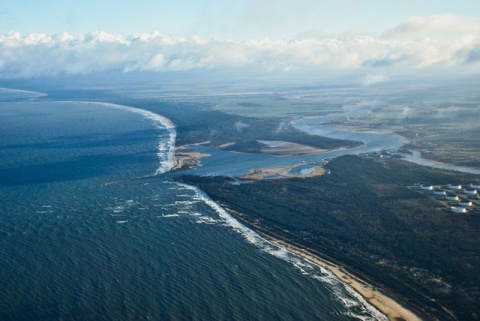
x=369 y=216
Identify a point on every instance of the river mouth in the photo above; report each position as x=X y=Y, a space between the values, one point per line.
x=220 y=161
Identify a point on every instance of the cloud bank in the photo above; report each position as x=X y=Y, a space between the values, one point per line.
x=422 y=43
x=437 y=26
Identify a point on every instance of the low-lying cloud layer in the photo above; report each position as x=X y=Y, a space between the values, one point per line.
x=443 y=42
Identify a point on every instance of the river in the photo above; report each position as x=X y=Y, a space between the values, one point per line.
x=371 y=142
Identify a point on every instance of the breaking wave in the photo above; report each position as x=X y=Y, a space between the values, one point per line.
x=166 y=143
x=343 y=292
x=356 y=304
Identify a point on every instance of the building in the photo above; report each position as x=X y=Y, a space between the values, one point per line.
x=439 y=192
x=459 y=210
x=426 y=187
x=475 y=185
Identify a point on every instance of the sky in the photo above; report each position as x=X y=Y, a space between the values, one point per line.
x=376 y=37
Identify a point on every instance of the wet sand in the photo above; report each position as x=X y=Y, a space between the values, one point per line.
x=281 y=172
x=282 y=148
x=389 y=306
x=392 y=308
x=186 y=158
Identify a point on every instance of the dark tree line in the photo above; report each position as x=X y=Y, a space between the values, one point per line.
x=366 y=216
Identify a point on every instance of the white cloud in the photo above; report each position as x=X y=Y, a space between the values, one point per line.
x=435 y=26
x=41 y=54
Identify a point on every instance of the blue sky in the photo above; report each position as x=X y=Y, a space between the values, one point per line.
x=237 y=20
x=376 y=38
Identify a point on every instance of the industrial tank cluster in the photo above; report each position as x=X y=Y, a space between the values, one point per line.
x=464 y=196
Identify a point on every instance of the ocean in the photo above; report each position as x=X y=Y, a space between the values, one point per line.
x=92 y=229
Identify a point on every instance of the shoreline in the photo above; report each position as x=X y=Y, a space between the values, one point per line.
x=388 y=306
x=282 y=172
x=392 y=308
x=186 y=158
x=285 y=148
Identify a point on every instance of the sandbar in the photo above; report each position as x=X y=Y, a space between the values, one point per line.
x=186 y=158
x=283 y=148
x=282 y=172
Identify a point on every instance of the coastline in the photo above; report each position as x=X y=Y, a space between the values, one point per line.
x=186 y=158
x=282 y=172
x=284 y=148
x=392 y=308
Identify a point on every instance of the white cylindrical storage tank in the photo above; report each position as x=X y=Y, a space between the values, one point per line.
x=470 y=191
x=451 y=197
x=465 y=203
x=454 y=186
x=439 y=192
x=459 y=210
x=426 y=187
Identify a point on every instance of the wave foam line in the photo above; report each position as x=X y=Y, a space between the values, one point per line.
x=21 y=91
x=29 y=95
x=166 y=145
x=346 y=294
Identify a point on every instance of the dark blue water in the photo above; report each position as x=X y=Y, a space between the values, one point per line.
x=87 y=232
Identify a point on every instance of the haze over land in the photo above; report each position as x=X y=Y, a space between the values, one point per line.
x=317 y=104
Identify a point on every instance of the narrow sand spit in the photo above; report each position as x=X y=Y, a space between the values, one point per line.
x=186 y=158
x=393 y=309
x=282 y=172
x=282 y=148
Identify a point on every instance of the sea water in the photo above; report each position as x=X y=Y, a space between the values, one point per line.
x=90 y=229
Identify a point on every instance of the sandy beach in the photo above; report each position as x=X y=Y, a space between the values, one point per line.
x=186 y=158
x=282 y=148
x=392 y=308
x=282 y=172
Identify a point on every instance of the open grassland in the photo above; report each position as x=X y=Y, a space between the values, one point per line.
x=274 y=106
x=442 y=121
x=280 y=100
